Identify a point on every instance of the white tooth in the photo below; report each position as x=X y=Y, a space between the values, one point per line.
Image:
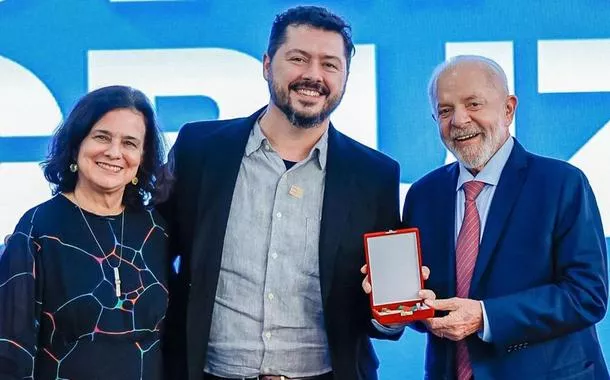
x=308 y=92
x=466 y=137
x=115 y=169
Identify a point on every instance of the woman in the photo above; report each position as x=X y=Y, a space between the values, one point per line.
x=83 y=278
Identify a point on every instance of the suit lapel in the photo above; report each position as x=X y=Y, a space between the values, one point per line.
x=446 y=204
x=508 y=190
x=220 y=167
x=220 y=171
x=335 y=207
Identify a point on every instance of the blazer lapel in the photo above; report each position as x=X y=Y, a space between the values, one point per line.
x=335 y=207
x=220 y=167
x=446 y=205
x=509 y=187
x=220 y=171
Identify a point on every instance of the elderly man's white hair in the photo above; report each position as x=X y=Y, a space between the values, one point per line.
x=494 y=70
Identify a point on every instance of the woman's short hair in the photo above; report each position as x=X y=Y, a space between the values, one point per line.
x=68 y=137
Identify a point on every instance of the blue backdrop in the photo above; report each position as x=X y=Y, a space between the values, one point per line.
x=200 y=59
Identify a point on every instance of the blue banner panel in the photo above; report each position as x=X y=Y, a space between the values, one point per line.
x=202 y=60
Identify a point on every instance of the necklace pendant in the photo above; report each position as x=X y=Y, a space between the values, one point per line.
x=117 y=282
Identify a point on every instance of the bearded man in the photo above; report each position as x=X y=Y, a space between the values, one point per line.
x=268 y=214
x=514 y=242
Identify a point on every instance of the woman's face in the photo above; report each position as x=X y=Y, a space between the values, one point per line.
x=109 y=156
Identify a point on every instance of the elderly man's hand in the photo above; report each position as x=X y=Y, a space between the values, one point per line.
x=424 y=294
x=465 y=318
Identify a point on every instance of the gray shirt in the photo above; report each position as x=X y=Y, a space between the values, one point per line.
x=268 y=316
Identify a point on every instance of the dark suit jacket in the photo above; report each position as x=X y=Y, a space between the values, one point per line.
x=541 y=270
x=361 y=195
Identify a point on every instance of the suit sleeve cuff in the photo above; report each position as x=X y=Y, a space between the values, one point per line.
x=485 y=333
x=387 y=330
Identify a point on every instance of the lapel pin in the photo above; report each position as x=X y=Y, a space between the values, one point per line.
x=296 y=191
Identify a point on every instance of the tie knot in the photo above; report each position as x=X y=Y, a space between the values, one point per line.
x=472 y=189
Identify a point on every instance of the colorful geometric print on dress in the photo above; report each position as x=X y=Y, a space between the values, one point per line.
x=60 y=317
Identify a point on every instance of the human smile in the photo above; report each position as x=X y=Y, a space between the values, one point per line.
x=308 y=92
x=310 y=89
x=109 y=167
x=466 y=137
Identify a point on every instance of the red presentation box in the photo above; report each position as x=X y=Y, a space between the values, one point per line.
x=394 y=263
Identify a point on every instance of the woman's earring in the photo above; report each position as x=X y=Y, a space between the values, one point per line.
x=73 y=168
x=134 y=181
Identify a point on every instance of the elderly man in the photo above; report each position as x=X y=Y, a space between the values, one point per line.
x=268 y=213
x=514 y=242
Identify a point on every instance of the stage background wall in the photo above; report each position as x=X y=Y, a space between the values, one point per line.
x=201 y=59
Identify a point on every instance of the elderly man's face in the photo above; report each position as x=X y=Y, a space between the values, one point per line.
x=473 y=113
x=307 y=75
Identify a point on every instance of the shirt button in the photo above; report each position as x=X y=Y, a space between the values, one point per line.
x=279 y=215
x=270 y=296
x=274 y=255
x=268 y=335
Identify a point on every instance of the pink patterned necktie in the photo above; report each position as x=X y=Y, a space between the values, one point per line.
x=466 y=251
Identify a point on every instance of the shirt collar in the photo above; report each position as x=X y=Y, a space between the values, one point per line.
x=492 y=170
x=258 y=140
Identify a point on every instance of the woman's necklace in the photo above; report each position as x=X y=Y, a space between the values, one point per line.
x=117 y=274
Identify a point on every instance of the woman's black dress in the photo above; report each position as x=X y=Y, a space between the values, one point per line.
x=59 y=315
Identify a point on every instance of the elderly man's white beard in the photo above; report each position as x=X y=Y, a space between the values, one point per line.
x=477 y=156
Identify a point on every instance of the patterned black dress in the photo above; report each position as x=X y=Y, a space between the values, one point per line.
x=59 y=315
